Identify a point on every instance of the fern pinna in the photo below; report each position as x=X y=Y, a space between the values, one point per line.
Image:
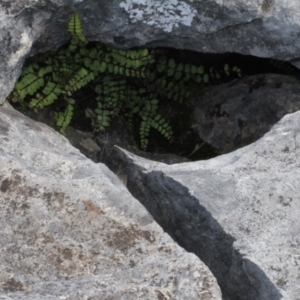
x=128 y=83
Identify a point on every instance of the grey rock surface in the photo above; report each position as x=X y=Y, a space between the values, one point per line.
x=238 y=212
x=101 y=148
x=217 y=26
x=233 y=115
x=69 y=229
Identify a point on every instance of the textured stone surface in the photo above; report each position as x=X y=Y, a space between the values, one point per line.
x=20 y=27
x=235 y=114
x=238 y=212
x=69 y=229
x=247 y=27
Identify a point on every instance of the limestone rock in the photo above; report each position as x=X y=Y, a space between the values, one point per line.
x=238 y=212
x=69 y=227
x=71 y=230
x=251 y=27
x=233 y=115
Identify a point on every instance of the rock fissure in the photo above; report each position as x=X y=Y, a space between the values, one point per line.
x=239 y=212
x=194 y=228
x=71 y=230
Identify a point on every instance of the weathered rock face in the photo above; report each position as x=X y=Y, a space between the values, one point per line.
x=251 y=27
x=238 y=113
x=238 y=212
x=70 y=229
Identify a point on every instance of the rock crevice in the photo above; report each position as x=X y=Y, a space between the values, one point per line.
x=238 y=212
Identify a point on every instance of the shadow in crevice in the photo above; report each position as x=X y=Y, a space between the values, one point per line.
x=194 y=229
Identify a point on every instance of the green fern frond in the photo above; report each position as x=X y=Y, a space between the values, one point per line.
x=148 y=115
x=49 y=94
x=162 y=126
x=144 y=133
x=63 y=118
x=80 y=79
x=29 y=85
x=75 y=27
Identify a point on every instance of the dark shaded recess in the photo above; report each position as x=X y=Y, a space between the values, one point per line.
x=249 y=64
x=186 y=142
x=194 y=229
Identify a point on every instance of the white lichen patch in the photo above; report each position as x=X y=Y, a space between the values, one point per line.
x=25 y=46
x=164 y=14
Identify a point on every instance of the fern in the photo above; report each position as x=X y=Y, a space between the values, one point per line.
x=63 y=118
x=127 y=83
x=75 y=30
x=57 y=78
x=150 y=118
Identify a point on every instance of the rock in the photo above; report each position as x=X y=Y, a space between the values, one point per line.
x=215 y=26
x=118 y=135
x=71 y=230
x=101 y=148
x=239 y=212
x=69 y=227
x=16 y=37
x=235 y=114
